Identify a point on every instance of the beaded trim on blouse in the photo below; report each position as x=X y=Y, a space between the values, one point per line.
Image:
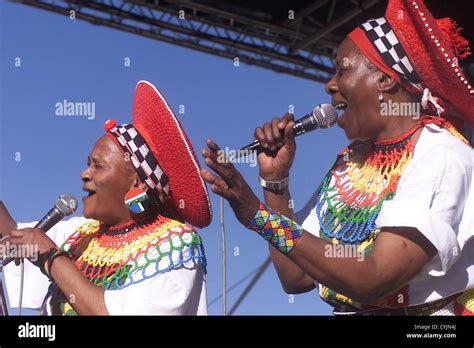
x=356 y=196
x=117 y=258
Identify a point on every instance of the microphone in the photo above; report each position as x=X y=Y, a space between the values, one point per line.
x=65 y=205
x=323 y=116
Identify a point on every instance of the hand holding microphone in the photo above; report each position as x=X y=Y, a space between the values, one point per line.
x=65 y=205
x=277 y=140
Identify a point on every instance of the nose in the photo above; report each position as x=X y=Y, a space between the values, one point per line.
x=85 y=175
x=331 y=86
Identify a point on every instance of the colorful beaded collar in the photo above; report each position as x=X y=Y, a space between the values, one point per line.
x=119 y=256
x=353 y=192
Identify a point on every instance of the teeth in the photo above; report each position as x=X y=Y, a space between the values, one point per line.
x=341 y=106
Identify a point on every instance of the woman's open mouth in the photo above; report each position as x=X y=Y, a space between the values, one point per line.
x=341 y=108
x=90 y=193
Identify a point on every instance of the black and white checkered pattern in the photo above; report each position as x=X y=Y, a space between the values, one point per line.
x=382 y=37
x=142 y=158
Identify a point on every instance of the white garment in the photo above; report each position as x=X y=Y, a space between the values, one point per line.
x=177 y=292
x=436 y=196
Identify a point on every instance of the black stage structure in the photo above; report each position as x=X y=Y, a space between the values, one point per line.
x=299 y=38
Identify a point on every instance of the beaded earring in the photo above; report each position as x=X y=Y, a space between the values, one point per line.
x=137 y=200
x=380 y=97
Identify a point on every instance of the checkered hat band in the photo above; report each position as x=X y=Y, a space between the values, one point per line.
x=143 y=160
x=383 y=39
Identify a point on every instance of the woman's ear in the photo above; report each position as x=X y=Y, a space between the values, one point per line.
x=137 y=183
x=386 y=83
x=140 y=184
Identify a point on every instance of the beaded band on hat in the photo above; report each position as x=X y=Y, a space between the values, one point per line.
x=383 y=39
x=131 y=142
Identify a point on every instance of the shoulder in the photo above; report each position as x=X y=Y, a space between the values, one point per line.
x=439 y=156
x=439 y=146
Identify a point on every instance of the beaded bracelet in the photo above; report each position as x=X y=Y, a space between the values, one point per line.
x=282 y=233
x=45 y=260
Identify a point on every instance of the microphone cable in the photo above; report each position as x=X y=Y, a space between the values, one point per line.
x=223 y=257
x=22 y=281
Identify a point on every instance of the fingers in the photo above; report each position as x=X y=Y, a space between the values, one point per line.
x=216 y=159
x=267 y=131
x=277 y=132
x=260 y=136
x=218 y=185
x=24 y=236
x=212 y=145
x=289 y=132
x=16 y=236
x=213 y=179
x=288 y=117
x=272 y=135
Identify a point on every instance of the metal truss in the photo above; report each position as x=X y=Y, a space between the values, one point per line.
x=285 y=48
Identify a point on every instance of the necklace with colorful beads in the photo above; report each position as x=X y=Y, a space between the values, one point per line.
x=353 y=191
x=117 y=257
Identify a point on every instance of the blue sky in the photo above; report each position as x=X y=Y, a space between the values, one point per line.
x=74 y=60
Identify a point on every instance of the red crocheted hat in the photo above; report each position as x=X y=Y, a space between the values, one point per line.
x=154 y=120
x=434 y=47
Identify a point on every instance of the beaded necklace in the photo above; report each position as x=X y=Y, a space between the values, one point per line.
x=355 y=196
x=353 y=192
x=119 y=256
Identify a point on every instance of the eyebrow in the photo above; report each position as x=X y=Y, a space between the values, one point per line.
x=93 y=159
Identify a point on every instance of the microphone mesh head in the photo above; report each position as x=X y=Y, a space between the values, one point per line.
x=326 y=115
x=67 y=204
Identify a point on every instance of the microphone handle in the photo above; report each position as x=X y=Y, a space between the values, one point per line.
x=255 y=146
x=299 y=128
x=50 y=219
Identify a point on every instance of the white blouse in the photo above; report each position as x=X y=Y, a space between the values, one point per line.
x=435 y=195
x=177 y=292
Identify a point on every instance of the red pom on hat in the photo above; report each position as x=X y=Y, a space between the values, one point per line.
x=109 y=124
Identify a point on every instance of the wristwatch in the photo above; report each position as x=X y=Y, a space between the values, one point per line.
x=274 y=185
